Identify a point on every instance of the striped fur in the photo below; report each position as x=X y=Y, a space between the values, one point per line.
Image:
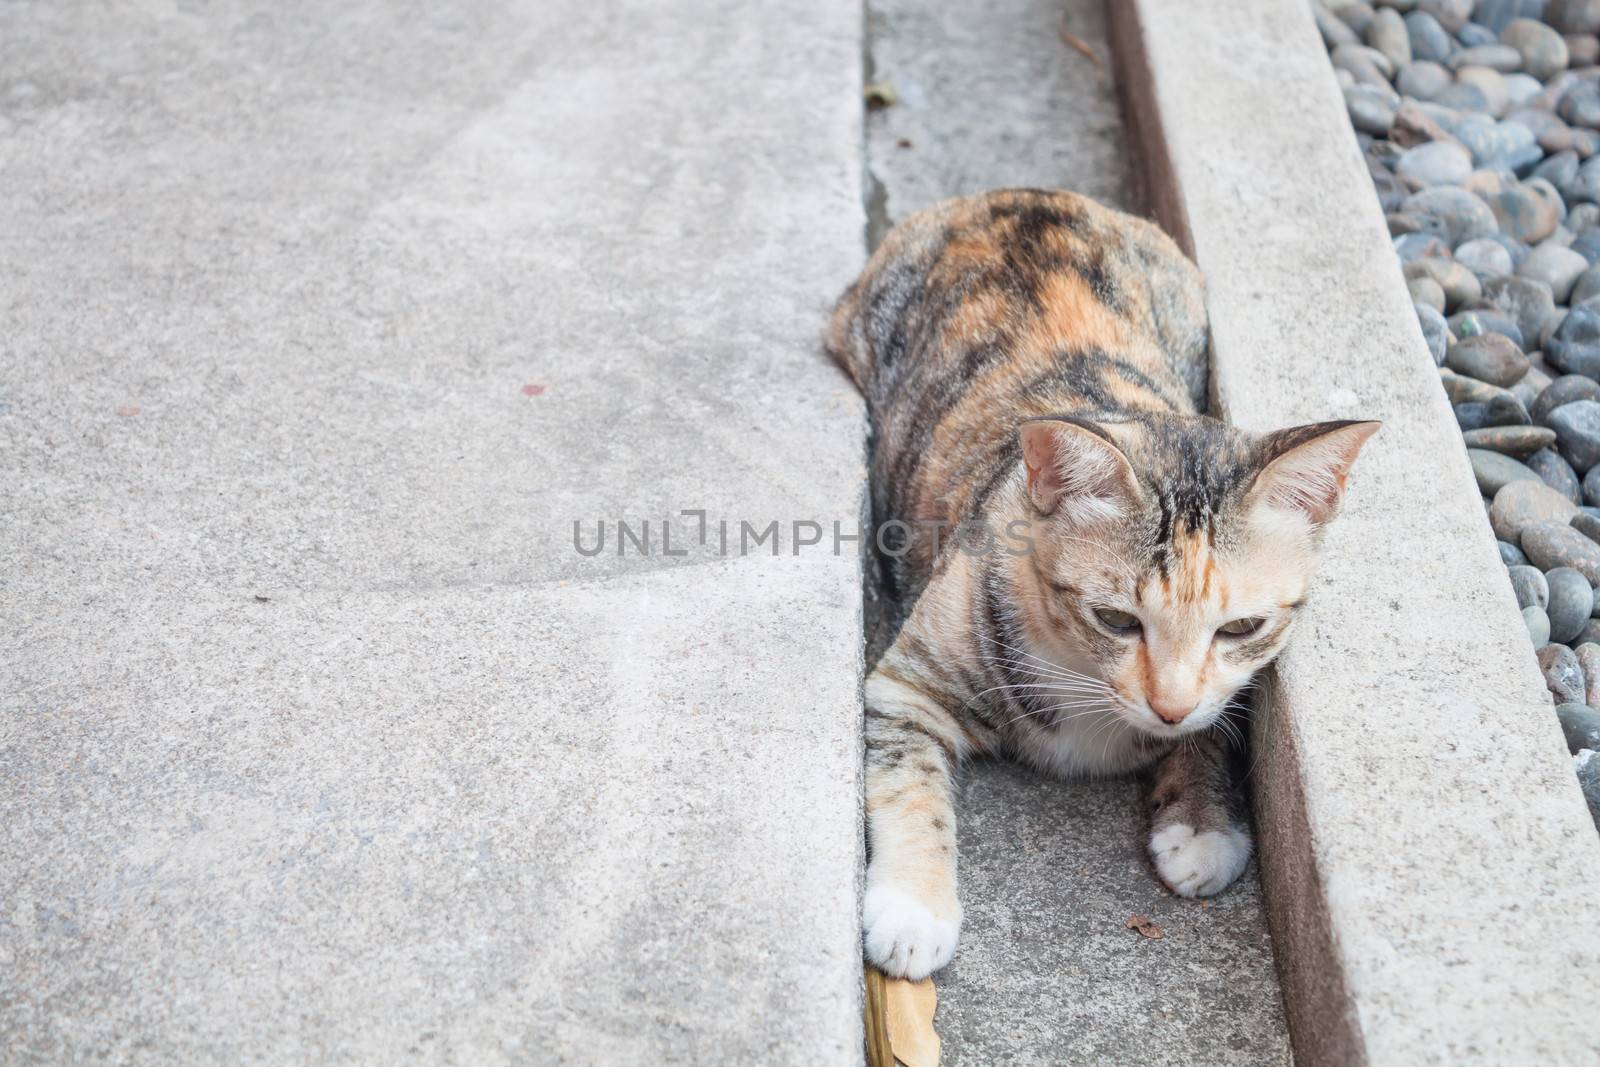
x=1035 y=366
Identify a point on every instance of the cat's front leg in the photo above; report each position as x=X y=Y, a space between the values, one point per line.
x=911 y=916
x=1199 y=839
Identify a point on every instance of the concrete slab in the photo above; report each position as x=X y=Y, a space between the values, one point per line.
x=992 y=96
x=321 y=325
x=1049 y=973
x=1425 y=846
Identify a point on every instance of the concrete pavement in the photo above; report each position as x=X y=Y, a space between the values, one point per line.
x=320 y=326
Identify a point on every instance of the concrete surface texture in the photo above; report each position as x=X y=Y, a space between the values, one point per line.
x=321 y=324
x=1047 y=973
x=1426 y=849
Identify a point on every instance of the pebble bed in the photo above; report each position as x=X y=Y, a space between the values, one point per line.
x=1480 y=124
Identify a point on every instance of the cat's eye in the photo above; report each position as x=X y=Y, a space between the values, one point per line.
x=1241 y=627
x=1120 y=621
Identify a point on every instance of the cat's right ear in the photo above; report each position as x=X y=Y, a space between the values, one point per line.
x=1073 y=469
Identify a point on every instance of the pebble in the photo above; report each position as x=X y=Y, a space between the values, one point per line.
x=1511 y=555
x=1474 y=36
x=1590 y=635
x=1484 y=257
x=1542 y=51
x=1387 y=33
x=1435 y=331
x=1562 y=675
x=1522 y=504
x=1369 y=108
x=1583 y=49
x=1491 y=85
x=1557 y=267
x=1549 y=545
x=1460 y=285
x=1589 y=659
x=1574 y=347
x=1511 y=440
x=1577 y=427
x=1527 y=300
x=1586 y=524
x=1587 y=768
x=1480 y=321
x=1571 y=601
x=1564 y=390
x=1429 y=40
x=1580 y=723
x=1456 y=214
x=1587 y=287
x=1494 y=472
x=1414 y=246
x=1488 y=357
x=1529 y=584
x=1573 y=16
x=1452 y=14
x=1427 y=293
x=1496 y=57
x=1421 y=80
x=1502 y=410
x=1591 y=487
x=1438 y=163
x=1557 y=473
x=1538 y=625
x=1335 y=31
x=1524 y=212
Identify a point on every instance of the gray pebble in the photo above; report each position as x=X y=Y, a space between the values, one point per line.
x=1474 y=36
x=1333 y=29
x=1435 y=331
x=1422 y=80
x=1457 y=215
x=1562 y=675
x=1573 y=16
x=1494 y=472
x=1571 y=601
x=1549 y=545
x=1564 y=390
x=1526 y=212
x=1496 y=57
x=1580 y=723
x=1511 y=555
x=1526 y=300
x=1529 y=584
x=1488 y=357
x=1538 y=625
x=1575 y=345
x=1555 y=472
x=1522 y=504
x=1429 y=40
x=1557 y=267
x=1438 y=163
x=1591 y=487
x=1577 y=427
x=1587 y=766
x=1587 y=287
x=1484 y=257
x=1459 y=285
x=1543 y=52
x=1586 y=524
x=1387 y=33
x=1370 y=110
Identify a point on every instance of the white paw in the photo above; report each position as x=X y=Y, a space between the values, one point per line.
x=904 y=937
x=1199 y=865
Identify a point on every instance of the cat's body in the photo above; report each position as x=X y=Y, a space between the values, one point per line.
x=1034 y=365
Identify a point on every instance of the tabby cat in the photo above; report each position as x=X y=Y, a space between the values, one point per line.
x=1035 y=367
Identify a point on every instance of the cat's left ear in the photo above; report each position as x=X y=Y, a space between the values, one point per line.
x=1304 y=468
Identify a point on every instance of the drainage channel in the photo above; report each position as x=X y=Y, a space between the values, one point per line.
x=1021 y=93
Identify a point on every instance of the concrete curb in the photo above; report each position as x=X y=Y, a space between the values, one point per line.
x=1426 y=852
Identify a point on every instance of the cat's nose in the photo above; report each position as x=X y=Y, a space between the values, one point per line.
x=1171 y=710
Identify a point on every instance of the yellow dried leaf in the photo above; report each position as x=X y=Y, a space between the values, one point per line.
x=910 y=1007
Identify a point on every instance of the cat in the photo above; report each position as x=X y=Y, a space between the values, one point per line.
x=1035 y=365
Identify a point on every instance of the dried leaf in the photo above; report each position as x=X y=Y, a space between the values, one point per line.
x=1145 y=927
x=1077 y=44
x=910 y=1007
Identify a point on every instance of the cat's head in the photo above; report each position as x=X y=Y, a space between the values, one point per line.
x=1172 y=553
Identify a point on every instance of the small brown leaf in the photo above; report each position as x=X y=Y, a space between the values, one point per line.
x=1145 y=927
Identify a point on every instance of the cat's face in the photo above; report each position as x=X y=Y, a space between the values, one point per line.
x=1171 y=553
